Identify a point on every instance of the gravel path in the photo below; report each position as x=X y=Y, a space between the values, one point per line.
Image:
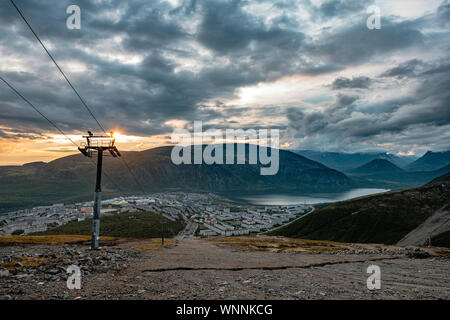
x=200 y=269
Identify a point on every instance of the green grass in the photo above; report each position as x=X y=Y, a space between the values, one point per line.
x=123 y=225
x=22 y=193
x=384 y=218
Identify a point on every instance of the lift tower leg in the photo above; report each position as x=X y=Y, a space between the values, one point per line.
x=99 y=144
x=97 y=202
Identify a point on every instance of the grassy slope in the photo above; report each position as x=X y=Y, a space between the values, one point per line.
x=384 y=218
x=24 y=193
x=50 y=239
x=441 y=240
x=125 y=225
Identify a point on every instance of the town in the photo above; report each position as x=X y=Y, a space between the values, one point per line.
x=205 y=215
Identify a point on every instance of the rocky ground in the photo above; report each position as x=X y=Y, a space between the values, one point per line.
x=229 y=268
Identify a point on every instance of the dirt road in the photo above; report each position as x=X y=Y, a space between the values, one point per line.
x=235 y=269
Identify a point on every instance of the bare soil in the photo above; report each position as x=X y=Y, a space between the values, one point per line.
x=225 y=268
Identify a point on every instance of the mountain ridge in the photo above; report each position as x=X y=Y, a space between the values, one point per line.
x=430 y=161
x=348 y=161
x=377 y=166
x=72 y=177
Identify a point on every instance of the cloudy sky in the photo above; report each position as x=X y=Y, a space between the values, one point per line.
x=310 y=68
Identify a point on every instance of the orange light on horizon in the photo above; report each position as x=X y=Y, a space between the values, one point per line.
x=50 y=146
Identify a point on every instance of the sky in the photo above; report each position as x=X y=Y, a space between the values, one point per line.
x=312 y=69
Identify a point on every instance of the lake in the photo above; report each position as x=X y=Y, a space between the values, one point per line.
x=285 y=199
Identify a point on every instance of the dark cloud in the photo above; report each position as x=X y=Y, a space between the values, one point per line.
x=427 y=108
x=317 y=122
x=143 y=63
x=443 y=14
x=405 y=69
x=341 y=8
x=356 y=43
x=355 y=82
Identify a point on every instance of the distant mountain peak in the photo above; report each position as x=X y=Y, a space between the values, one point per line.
x=348 y=161
x=378 y=166
x=430 y=161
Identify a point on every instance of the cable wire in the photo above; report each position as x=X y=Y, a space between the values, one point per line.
x=57 y=128
x=36 y=109
x=57 y=65
x=73 y=88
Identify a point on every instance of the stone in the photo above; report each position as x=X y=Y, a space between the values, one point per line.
x=418 y=254
x=3 y=272
x=53 y=271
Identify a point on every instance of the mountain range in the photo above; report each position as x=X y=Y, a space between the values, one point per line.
x=349 y=161
x=72 y=178
x=430 y=161
x=378 y=166
x=382 y=173
x=385 y=170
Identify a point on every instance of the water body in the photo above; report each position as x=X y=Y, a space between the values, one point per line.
x=285 y=199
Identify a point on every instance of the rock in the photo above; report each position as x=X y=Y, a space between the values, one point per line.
x=418 y=254
x=53 y=271
x=48 y=277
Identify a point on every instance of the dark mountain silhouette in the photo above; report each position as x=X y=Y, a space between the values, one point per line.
x=381 y=174
x=348 y=161
x=430 y=161
x=377 y=166
x=72 y=178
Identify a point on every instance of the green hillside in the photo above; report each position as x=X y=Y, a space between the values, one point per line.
x=124 y=225
x=384 y=218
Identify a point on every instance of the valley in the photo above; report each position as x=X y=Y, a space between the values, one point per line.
x=383 y=218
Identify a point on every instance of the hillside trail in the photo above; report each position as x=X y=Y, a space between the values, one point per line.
x=202 y=269
x=231 y=268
